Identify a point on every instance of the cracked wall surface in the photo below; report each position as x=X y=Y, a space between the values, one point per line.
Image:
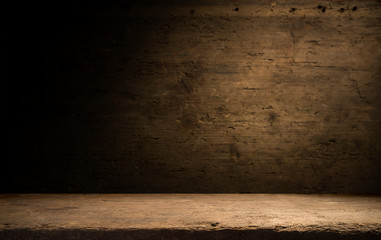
x=200 y=96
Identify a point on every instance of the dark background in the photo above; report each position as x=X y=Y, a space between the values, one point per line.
x=128 y=96
x=38 y=48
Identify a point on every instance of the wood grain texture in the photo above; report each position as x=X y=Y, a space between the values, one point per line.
x=205 y=212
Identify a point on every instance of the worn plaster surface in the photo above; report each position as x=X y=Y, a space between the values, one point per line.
x=201 y=96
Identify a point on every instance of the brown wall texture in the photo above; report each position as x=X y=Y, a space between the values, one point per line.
x=199 y=96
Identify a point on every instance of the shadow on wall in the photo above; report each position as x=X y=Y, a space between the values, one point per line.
x=193 y=97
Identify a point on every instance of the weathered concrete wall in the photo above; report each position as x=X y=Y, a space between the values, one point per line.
x=200 y=96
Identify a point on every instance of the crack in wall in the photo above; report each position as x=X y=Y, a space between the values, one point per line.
x=356 y=86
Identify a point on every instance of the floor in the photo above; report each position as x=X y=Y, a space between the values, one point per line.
x=189 y=216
